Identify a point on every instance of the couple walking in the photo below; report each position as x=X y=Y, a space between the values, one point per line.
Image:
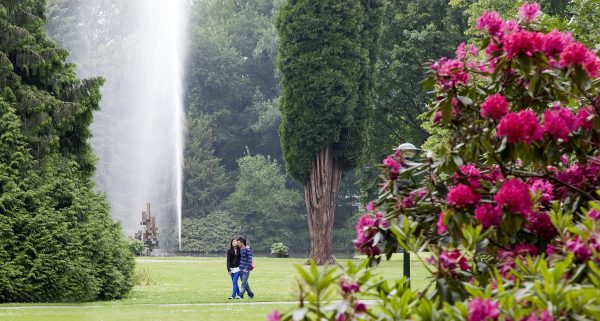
x=239 y=265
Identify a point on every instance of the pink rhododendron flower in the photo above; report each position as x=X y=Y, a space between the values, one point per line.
x=494 y=106
x=579 y=248
x=461 y=52
x=473 y=50
x=543 y=316
x=559 y=123
x=349 y=287
x=370 y=206
x=491 y=51
x=594 y=214
x=393 y=165
x=450 y=72
x=366 y=228
x=451 y=260
x=483 y=310
x=511 y=26
x=461 y=195
x=405 y=202
x=490 y=21
x=438 y=117
x=578 y=54
x=515 y=195
x=585 y=118
x=493 y=175
x=555 y=42
x=523 y=41
x=521 y=127
x=441 y=227
x=488 y=215
x=360 y=308
x=274 y=316
x=545 y=189
x=471 y=173
x=540 y=224
x=529 y=11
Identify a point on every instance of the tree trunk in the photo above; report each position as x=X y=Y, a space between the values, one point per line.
x=320 y=195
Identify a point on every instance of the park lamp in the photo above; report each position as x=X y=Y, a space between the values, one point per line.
x=408 y=150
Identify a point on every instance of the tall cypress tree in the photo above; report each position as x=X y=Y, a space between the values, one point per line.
x=326 y=57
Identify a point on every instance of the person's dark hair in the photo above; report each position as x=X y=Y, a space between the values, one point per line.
x=241 y=239
x=231 y=246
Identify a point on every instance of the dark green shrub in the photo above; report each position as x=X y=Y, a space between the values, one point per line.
x=137 y=247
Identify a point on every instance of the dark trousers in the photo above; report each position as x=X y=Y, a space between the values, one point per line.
x=245 y=285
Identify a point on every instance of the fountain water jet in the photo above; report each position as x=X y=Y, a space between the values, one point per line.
x=138 y=47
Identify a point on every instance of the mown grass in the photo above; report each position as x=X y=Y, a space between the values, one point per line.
x=183 y=288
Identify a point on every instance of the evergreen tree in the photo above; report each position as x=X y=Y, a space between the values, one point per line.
x=57 y=240
x=325 y=58
x=205 y=181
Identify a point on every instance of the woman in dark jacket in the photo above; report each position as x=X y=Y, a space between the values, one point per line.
x=233 y=267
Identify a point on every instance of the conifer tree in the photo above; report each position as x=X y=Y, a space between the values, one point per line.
x=326 y=57
x=57 y=239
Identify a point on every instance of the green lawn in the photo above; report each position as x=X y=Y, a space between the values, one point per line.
x=196 y=289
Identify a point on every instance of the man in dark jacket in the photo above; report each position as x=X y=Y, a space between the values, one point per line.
x=245 y=265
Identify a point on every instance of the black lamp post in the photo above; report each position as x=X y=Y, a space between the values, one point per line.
x=408 y=151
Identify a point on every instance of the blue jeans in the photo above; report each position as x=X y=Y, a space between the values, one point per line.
x=245 y=285
x=236 y=290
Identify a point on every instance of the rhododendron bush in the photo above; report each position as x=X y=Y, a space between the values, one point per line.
x=509 y=215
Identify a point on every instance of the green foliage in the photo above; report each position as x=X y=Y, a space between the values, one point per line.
x=137 y=247
x=261 y=202
x=325 y=47
x=414 y=33
x=58 y=242
x=209 y=234
x=279 y=250
x=231 y=77
x=205 y=180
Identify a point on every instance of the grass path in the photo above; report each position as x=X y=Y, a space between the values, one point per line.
x=183 y=289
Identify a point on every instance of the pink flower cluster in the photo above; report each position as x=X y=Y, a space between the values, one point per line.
x=393 y=166
x=582 y=176
x=578 y=54
x=483 y=310
x=579 y=248
x=349 y=287
x=450 y=72
x=543 y=316
x=585 y=118
x=367 y=228
x=559 y=122
x=491 y=22
x=495 y=107
x=274 y=316
x=488 y=215
x=452 y=260
x=529 y=11
x=514 y=193
x=520 y=127
x=462 y=195
x=508 y=37
x=544 y=188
